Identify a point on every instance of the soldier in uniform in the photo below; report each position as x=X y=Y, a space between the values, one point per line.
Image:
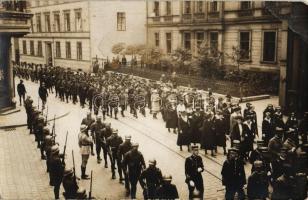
x=113 y=143
x=275 y=144
x=28 y=106
x=88 y=120
x=113 y=104
x=193 y=169
x=122 y=102
x=233 y=175
x=85 y=143
x=150 y=179
x=155 y=103
x=70 y=184
x=43 y=93
x=258 y=182
x=125 y=147
x=56 y=168
x=134 y=163
x=167 y=190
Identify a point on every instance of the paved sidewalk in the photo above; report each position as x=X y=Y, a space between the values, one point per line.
x=23 y=174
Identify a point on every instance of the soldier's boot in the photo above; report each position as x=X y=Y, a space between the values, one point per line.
x=122 y=113
x=115 y=115
x=225 y=152
x=43 y=157
x=99 y=159
x=113 y=175
x=83 y=173
x=121 y=179
x=106 y=163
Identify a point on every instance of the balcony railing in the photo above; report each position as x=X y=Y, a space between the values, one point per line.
x=186 y=16
x=245 y=13
x=214 y=14
x=199 y=15
x=168 y=18
x=13 y=5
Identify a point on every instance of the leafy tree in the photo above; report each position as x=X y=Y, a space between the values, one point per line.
x=182 y=58
x=208 y=60
x=118 y=48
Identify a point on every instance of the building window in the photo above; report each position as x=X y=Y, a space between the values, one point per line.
x=68 y=50
x=156 y=8
x=168 y=7
x=32 y=48
x=78 y=20
x=245 y=5
x=213 y=6
x=67 y=21
x=200 y=38
x=47 y=22
x=214 y=41
x=187 y=7
x=187 y=42
x=39 y=48
x=24 y=47
x=58 y=50
x=168 y=42
x=156 y=36
x=57 y=22
x=245 y=45
x=199 y=7
x=79 y=51
x=269 y=46
x=38 y=23
x=121 y=21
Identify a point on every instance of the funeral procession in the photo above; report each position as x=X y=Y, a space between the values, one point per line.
x=153 y=99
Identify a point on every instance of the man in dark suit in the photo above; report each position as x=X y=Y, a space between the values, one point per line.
x=21 y=90
x=193 y=169
x=43 y=93
x=237 y=130
x=267 y=128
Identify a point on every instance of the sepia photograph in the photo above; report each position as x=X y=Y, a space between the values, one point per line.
x=153 y=99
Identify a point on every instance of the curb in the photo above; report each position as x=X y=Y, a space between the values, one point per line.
x=21 y=125
x=255 y=98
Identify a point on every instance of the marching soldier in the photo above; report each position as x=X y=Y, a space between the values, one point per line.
x=113 y=104
x=134 y=163
x=193 y=169
x=88 y=120
x=97 y=129
x=155 y=103
x=28 y=106
x=56 y=168
x=233 y=175
x=125 y=147
x=167 y=190
x=122 y=102
x=150 y=179
x=113 y=143
x=43 y=93
x=85 y=143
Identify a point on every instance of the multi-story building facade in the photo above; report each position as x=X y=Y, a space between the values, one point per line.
x=71 y=33
x=14 y=23
x=246 y=25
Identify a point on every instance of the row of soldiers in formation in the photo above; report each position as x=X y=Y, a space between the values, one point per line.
x=274 y=130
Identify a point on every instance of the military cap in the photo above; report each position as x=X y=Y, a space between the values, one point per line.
x=152 y=162
x=248 y=104
x=237 y=109
x=232 y=150
x=260 y=143
x=258 y=163
x=115 y=130
x=128 y=137
x=48 y=138
x=194 y=147
x=167 y=177
x=279 y=128
x=135 y=144
x=68 y=172
x=46 y=131
x=83 y=127
x=236 y=144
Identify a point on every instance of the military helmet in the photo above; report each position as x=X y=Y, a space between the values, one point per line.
x=55 y=149
x=115 y=130
x=46 y=131
x=258 y=164
x=83 y=127
x=68 y=172
x=135 y=144
x=152 y=162
x=128 y=137
x=167 y=177
x=48 y=138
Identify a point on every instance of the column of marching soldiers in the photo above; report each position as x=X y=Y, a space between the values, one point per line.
x=278 y=161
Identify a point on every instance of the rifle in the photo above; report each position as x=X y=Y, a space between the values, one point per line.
x=46 y=115
x=53 y=130
x=90 y=192
x=38 y=103
x=63 y=161
x=74 y=165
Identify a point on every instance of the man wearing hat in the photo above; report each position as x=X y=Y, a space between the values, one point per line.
x=258 y=182
x=247 y=110
x=97 y=129
x=233 y=175
x=167 y=190
x=275 y=144
x=56 y=168
x=193 y=169
x=125 y=147
x=70 y=185
x=150 y=179
x=28 y=106
x=85 y=142
x=113 y=142
x=270 y=109
x=237 y=130
x=134 y=164
x=21 y=90
x=43 y=93
x=88 y=120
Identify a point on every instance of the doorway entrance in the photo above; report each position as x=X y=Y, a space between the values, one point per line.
x=48 y=53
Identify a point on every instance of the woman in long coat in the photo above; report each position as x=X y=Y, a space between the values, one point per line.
x=196 y=124
x=171 y=118
x=184 y=131
x=208 y=134
x=221 y=130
